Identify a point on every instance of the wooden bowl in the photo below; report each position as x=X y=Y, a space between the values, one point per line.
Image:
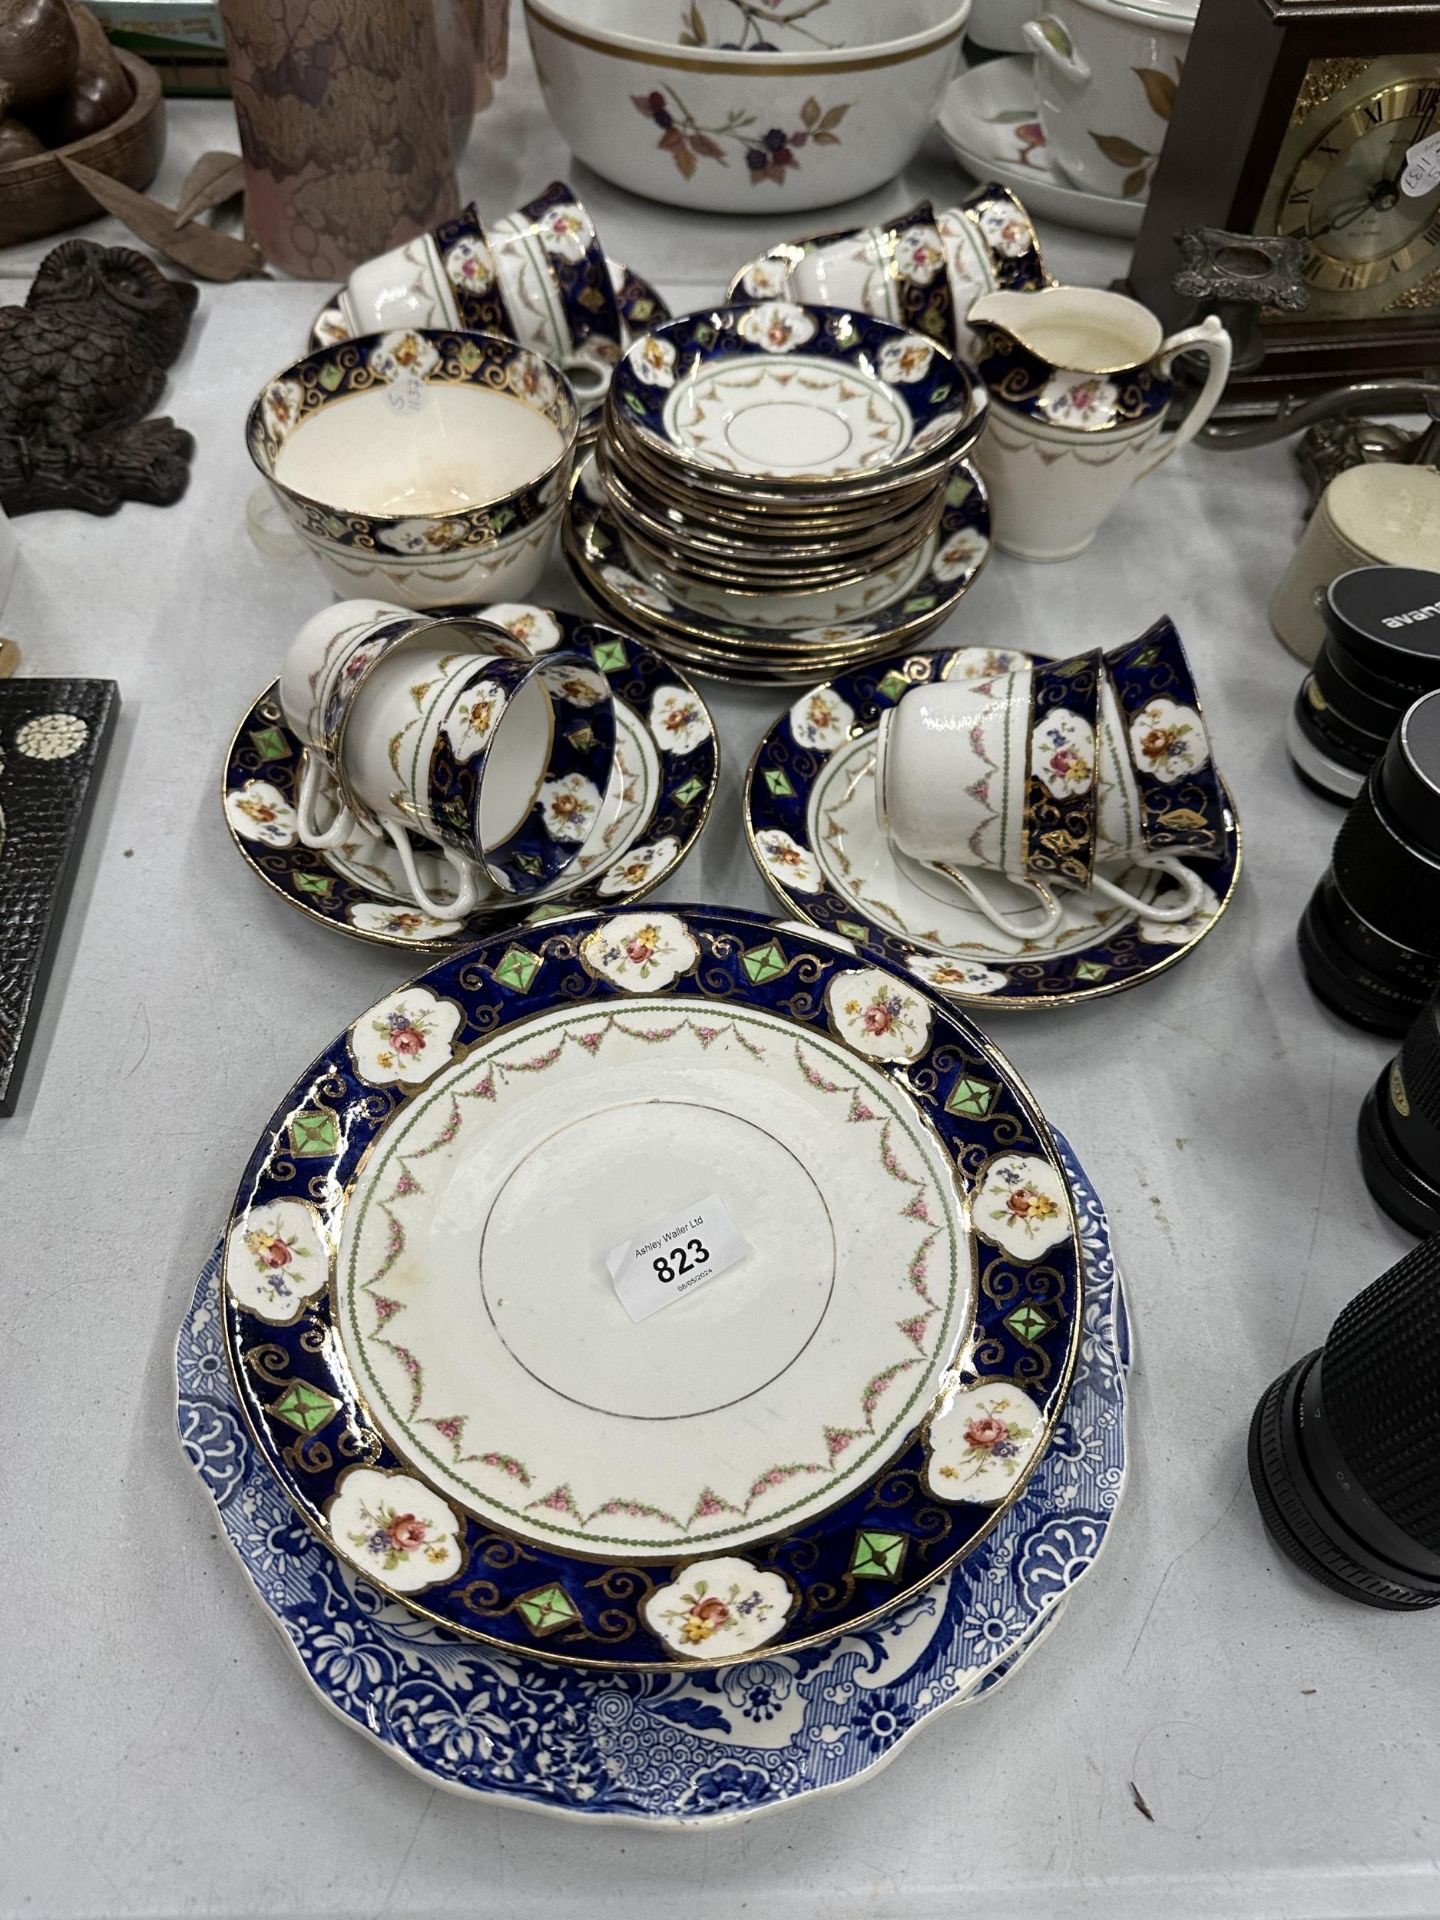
x=37 y=196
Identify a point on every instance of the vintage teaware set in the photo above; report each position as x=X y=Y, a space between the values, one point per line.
x=801 y=1349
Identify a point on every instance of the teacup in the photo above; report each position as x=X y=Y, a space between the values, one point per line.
x=451 y=729
x=1044 y=773
x=502 y=762
x=1107 y=73
x=558 y=287
x=921 y=270
x=445 y=278
x=420 y=466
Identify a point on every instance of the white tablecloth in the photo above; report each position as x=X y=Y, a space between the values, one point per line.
x=160 y=1755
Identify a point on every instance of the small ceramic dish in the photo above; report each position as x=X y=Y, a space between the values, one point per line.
x=745 y=572
x=810 y=821
x=765 y=512
x=752 y=544
x=782 y=399
x=919 y=270
x=737 y=109
x=991 y=122
x=704 y=1749
x=536 y=1103
x=666 y=771
x=421 y=467
x=945 y=567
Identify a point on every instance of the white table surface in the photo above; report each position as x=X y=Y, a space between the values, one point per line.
x=159 y=1754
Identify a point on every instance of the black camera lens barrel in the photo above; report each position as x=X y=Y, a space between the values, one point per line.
x=1399 y=1129
x=1344 y=1447
x=1381 y=653
x=1370 y=936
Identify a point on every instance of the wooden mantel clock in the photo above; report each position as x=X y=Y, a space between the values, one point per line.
x=1296 y=117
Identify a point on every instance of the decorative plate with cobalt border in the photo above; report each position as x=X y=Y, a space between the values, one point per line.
x=788 y=394
x=435 y=1365
x=810 y=820
x=709 y=1746
x=666 y=770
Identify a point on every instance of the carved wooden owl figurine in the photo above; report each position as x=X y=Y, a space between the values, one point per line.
x=81 y=365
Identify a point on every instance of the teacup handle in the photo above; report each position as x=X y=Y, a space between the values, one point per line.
x=1049 y=38
x=341 y=828
x=976 y=895
x=1173 y=910
x=1213 y=341
x=469 y=889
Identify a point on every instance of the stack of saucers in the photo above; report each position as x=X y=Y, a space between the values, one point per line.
x=777 y=488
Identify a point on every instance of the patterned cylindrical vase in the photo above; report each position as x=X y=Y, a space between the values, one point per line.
x=345 y=155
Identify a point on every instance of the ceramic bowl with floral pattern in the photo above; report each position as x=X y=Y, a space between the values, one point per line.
x=423 y=467
x=742 y=108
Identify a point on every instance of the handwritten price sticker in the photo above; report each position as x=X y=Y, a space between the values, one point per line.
x=406 y=393
x=672 y=1257
x=1422 y=167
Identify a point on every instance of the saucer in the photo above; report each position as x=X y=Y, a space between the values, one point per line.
x=710 y=638
x=554 y=1475
x=810 y=820
x=667 y=769
x=990 y=118
x=692 y=1749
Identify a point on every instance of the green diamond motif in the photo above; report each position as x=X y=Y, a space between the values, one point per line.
x=1090 y=970
x=1028 y=1323
x=546 y=1609
x=304 y=1407
x=555 y=910
x=529 y=863
x=320 y=884
x=1147 y=658
x=970 y=1097
x=691 y=790
x=517 y=968
x=853 y=929
x=609 y=657
x=313 y=1134
x=271 y=744
x=765 y=963
x=778 y=783
x=582 y=739
x=877 y=1555
x=893 y=685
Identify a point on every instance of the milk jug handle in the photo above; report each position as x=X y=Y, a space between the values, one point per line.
x=1211 y=339
x=1050 y=39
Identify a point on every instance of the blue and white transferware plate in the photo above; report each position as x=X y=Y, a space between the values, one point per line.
x=699 y=1748
x=436 y=1366
x=920 y=595
x=667 y=764
x=810 y=819
x=782 y=396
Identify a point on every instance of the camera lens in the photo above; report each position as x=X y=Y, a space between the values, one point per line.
x=1345 y=1445
x=1370 y=937
x=1399 y=1129
x=1381 y=653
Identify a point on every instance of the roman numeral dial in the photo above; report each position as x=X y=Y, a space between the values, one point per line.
x=1365 y=238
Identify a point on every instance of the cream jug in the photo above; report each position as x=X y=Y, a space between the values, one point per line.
x=1079 y=382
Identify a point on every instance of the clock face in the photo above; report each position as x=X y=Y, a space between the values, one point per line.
x=1370 y=247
